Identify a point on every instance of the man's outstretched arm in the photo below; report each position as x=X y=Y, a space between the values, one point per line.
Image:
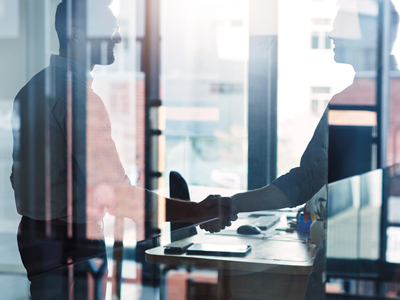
x=265 y=198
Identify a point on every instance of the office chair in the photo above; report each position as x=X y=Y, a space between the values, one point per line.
x=179 y=189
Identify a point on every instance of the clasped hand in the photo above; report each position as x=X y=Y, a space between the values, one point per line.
x=218 y=207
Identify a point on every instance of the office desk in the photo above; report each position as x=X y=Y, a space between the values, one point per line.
x=276 y=268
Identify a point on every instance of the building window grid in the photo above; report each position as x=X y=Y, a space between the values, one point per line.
x=320 y=33
x=320 y=40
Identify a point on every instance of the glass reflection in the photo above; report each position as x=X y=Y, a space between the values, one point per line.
x=90 y=229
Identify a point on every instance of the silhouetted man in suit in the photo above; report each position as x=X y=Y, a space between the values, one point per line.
x=66 y=170
x=355 y=38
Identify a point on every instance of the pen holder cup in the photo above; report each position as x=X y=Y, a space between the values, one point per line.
x=303 y=224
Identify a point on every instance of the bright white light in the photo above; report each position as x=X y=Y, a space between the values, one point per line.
x=232 y=34
x=115 y=7
x=232 y=43
x=393 y=245
x=396 y=47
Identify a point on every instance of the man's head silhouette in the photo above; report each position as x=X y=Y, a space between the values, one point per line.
x=355 y=33
x=89 y=37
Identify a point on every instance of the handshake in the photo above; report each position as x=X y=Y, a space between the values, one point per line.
x=219 y=210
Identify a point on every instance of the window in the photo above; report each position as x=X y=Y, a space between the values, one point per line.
x=315 y=40
x=204 y=91
x=320 y=96
x=320 y=40
x=320 y=33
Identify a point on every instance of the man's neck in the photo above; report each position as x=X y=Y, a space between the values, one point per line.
x=76 y=58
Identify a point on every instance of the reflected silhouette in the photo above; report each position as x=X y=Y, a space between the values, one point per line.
x=66 y=170
x=50 y=172
x=355 y=37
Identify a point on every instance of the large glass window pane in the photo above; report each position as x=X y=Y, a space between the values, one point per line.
x=204 y=89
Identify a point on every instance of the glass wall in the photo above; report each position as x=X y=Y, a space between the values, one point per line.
x=204 y=54
x=213 y=149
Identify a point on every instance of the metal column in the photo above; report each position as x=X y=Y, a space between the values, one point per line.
x=263 y=86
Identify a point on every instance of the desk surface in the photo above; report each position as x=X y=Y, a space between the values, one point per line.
x=276 y=254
